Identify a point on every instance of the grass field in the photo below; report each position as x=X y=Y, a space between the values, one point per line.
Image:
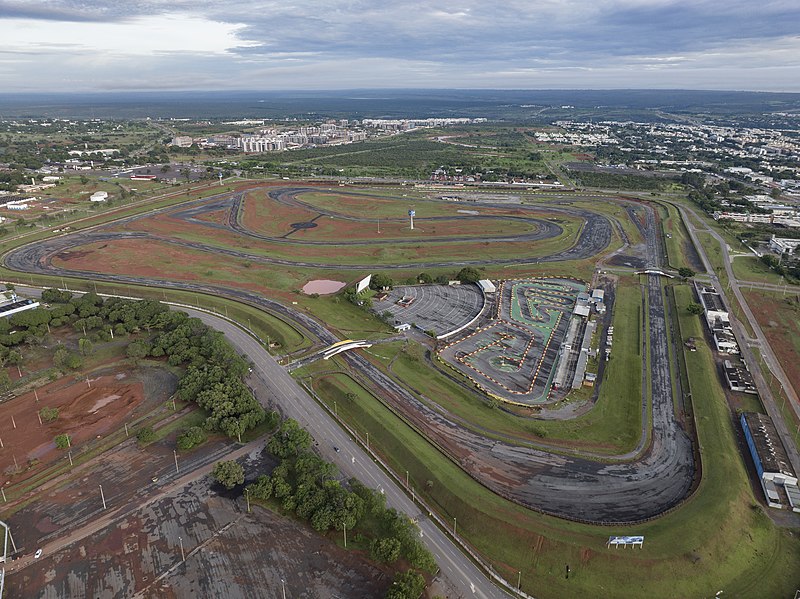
x=676 y=237
x=719 y=539
x=750 y=268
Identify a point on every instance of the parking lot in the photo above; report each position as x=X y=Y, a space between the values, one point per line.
x=442 y=309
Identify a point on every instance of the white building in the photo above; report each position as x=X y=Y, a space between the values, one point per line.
x=182 y=141
x=713 y=307
x=99 y=196
x=781 y=245
x=487 y=286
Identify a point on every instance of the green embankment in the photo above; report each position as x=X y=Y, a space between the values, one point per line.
x=720 y=539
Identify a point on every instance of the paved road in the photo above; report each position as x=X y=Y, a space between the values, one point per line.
x=772 y=363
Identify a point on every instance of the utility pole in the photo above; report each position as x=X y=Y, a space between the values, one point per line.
x=183 y=556
x=175 y=453
x=344 y=528
x=102 y=496
x=454 y=526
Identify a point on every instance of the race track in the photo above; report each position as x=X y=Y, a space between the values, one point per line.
x=614 y=491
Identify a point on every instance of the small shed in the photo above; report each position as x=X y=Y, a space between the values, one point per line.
x=487 y=286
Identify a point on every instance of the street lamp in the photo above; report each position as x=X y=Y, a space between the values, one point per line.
x=283 y=587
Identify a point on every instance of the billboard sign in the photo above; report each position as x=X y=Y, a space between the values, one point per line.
x=363 y=284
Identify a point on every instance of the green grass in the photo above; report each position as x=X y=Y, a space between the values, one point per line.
x=716 y=540
x=678 y=242
x=265 y=325
x=750 y=268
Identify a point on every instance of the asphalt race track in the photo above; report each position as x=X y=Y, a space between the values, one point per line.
x=613 y=491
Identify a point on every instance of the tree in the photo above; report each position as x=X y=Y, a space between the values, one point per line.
x=228 y=473
x=686 y=273
x=191 y=437
x=5 y=379
x=695 y=308
x=137 y=350
x=85 y=345
x=49 y=414
x=468 y=274
x=406 y=585
x=289 y=440
x=146 y=436
x=380 y=281
x=425 y=278
x=386 y=551
x=62 y=441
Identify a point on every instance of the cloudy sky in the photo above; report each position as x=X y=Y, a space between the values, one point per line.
x=97 y=45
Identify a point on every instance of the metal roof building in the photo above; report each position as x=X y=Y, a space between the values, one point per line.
x=775 y=473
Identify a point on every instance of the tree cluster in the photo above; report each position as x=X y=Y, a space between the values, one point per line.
x=214 y=371
x=305 y=484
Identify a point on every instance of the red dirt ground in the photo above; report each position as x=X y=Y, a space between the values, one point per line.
x=155 y=259
x=780 y=324
x=85 y=411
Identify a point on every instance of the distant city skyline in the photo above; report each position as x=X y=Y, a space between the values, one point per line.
x=71 y=45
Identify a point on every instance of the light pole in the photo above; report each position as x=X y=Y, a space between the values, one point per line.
x=283 y=587
x=102 y=496
x=519 y=580
x=175 y=453
x=454 y=526
x=183 y=556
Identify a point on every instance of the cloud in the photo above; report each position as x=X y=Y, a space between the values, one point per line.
x=408 y=43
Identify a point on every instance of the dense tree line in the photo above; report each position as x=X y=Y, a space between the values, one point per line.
x=214 y=371
x=306 y=485
x=621 y=181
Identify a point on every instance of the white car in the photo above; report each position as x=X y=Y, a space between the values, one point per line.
x=38 y=554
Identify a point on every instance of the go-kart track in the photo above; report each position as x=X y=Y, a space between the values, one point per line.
x=512 y=356
x=625 y=489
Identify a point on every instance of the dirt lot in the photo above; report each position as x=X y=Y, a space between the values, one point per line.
x=229 y=553
x=88 y=407
x=779 y=317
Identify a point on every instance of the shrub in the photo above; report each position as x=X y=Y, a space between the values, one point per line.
x=146 y=436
